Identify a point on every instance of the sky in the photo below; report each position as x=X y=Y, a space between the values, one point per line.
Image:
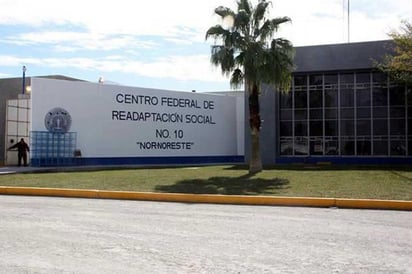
x=161 y=44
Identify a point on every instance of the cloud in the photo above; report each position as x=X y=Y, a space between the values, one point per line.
x=5 y=75
x=183 y=68
x=188 y=19
x=164 y=18
x=370 y=20
x=165 y=39
x=70 y=41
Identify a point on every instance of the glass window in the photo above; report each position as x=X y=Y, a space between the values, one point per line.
x=301 y=99
x=286 y=99
x=380 y=112
x=301 y=128
x=331 y=79
x=363 y=77
x=348 y=146
x=410 y=127
x=347 y=113
x=398 y=147
x=363 y=147
x=301 y=114
x=347 y=128
x=286 y=114
x=331 y=147
x=316 y=128
x=397 y=96
x=380 y=127
x=380 y=147
x=410 y=147
x=316 y=114
x=300 y=80
x=316 y=80
x=301 y=146
x=363 y=112
x=363 y=97
x=409 y=95
x=331 y=128
x=346 y=98
x=315 y=99
x=347 y=78
x=380 y=97
x=331 y=113
x=286 y=146
x=397 y=126
x=397 y=112
x=363 y=128
x=286 y=129
x=331 y=98
x=316 y=146
x=379 y=77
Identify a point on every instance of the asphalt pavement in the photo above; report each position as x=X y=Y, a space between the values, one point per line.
x=70 y=235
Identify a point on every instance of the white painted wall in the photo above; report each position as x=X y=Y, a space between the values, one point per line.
x=99 y=116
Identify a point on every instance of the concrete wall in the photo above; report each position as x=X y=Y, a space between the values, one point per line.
x=130 y=125
x=323 y=58
x=338 y=57
x=268 y=132
x=9 y=89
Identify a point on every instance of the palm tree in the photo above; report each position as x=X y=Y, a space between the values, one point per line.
x=248 y=52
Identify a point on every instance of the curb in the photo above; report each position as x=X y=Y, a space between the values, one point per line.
x=211 y=199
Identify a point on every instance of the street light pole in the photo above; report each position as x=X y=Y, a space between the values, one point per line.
x=348 y=21
x=24 y=79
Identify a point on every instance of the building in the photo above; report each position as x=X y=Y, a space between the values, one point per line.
x=15 y=112
x=85 y=123
x=340 y=109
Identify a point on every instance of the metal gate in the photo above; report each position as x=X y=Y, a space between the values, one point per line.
x=17 y=125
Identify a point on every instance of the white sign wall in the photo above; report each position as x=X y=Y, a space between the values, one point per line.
x=120 y=121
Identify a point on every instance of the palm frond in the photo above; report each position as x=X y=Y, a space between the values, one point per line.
x=216 y=32
x=223 y=57
x=237 y=78
x=247 y=49
x=241 y=23
x=260 y=11
x=244 y=5
x=224 y=11
x=270 y=27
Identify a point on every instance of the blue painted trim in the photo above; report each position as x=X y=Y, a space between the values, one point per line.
x=137 y=161
x=345 y=160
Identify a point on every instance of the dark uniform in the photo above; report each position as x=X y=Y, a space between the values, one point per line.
x=22 y=149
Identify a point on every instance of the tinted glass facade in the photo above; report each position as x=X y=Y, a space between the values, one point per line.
x=345 y=114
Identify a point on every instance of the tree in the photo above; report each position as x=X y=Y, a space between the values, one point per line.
x=399 y=64
x=250 y=55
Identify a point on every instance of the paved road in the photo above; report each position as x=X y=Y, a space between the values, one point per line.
x=61 y=235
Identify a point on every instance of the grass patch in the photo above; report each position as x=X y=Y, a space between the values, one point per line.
x=372 y=182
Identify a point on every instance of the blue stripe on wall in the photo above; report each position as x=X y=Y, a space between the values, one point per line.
x=137 y=161
x=345 y=160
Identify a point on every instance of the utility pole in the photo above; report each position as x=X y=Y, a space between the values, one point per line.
x=24 y=80
x=348 y=21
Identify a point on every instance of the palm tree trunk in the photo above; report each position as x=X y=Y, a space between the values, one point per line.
x=255 y=164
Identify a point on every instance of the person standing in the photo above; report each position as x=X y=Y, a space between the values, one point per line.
x=22 y=149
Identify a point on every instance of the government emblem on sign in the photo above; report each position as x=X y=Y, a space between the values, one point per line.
x=58 y=120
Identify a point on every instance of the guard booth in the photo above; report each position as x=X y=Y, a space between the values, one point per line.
x=17 y=126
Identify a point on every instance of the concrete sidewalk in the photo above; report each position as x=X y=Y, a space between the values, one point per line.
x=17 y=169
x=29 y=169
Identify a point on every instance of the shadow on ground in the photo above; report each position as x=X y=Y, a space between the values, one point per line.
x=244 y=185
